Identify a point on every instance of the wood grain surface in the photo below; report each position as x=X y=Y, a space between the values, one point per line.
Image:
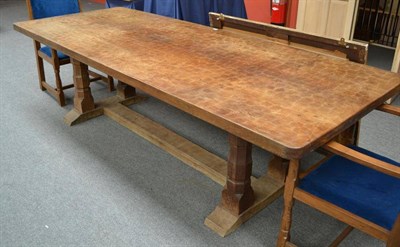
x=286 y=100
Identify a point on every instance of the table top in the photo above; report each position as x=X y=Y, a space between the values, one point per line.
x=281 y=98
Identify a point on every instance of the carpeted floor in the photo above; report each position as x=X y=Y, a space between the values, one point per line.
x=98 y=184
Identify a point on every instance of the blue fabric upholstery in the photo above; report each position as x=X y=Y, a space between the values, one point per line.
x=137 y=4
x=196 y=11
x=50 y=8
x=169 y=8
x=230 y=7
x=188 y=10
x=365 y=192
x=47 y=50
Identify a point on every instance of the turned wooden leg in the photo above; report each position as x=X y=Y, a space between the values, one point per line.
x=238 y=194
x=124 y=90
x=40 y=67
x=277 y=168
x=83 y=100
x=290 y=185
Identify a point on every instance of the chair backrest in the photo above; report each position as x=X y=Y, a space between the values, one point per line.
x=353 y=51
x=38 y=9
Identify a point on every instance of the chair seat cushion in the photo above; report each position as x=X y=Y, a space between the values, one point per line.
x=360 y=190
x=47 y=50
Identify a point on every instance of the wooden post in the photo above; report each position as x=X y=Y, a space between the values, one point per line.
x=396 y=59
x=238 y=195
x=125 y=91
x=40 y=67
x=56 y=67
x=290 y=185
x=83 y=100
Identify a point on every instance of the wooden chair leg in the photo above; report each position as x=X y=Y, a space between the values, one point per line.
x=40 y=66
x=394 y=237
x=290 y=185
x=59 y=90
x=60 y=93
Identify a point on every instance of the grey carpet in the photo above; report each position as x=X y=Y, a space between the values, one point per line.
x=380 y=57
x=98 y=184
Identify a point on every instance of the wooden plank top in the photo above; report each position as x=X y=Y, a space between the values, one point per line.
x=286 y=100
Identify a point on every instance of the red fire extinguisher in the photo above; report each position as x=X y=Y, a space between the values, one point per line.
x=278 y=12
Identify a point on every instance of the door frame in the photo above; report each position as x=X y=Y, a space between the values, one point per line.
x=353 y=23
x=396 y=60
x=396 y=65
x=351 y=19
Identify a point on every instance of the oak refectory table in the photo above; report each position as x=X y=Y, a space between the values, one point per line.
x=285 y=100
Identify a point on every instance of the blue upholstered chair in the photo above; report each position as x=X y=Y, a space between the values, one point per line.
x=38 y=9
x=353 y=185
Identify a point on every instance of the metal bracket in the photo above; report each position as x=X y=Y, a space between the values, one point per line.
x=221 y=17
x=342 y=42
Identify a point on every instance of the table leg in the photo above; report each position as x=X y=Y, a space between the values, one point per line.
x=83 y=100
x=238 y=194
x=243 y=195
x=84 y=107
x=125 y=91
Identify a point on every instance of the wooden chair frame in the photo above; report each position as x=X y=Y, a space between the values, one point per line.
x=56 y=62
x=292 y=193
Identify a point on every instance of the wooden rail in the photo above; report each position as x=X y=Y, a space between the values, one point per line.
x=354 y=51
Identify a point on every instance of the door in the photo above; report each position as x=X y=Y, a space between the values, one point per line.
x=330 y=18
x=378 y=22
